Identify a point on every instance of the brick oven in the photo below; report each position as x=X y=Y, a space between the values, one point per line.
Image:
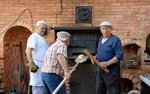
x=132 y=56
x=134 y=65
x=131 y=60
x=84 y=78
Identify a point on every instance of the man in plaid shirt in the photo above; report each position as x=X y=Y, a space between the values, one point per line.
x=55 y=63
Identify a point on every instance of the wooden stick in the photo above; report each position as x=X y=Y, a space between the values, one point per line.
x=95 y=60
x=63 y=81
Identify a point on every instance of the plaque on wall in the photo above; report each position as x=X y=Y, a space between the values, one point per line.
x=83 y=14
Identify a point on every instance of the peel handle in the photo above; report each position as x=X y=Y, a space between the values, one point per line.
x=95 y=60
x=63 y=81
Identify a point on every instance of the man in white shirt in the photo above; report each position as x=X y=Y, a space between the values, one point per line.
x=35 y=51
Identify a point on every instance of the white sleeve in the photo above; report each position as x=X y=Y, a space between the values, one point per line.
x=31 y=42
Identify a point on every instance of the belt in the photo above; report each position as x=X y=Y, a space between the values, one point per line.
x=54 y=74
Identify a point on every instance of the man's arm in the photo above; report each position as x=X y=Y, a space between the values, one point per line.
x=63 y=63
x=33 y=67
x=29 y=54
x=114 y=60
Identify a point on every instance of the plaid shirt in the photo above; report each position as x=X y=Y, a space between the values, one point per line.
x=50 y=63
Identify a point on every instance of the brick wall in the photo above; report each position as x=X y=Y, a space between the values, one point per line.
x=130 y=19
x=127 y=16
x=15 y=73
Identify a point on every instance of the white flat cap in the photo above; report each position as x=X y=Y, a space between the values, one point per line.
x=105 y=23
x=39 y=23
x=62 y=35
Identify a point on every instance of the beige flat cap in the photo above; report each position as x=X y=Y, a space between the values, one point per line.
x=63 y=35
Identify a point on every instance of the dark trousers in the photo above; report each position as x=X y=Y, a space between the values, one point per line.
x=108 y=83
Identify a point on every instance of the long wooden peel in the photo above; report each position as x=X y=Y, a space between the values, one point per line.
x=81 y=58
x=63 y=81
x=95 y=60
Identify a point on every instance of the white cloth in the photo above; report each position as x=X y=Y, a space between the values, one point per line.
x=38 y=90
x=40 y=47
x=104 y=40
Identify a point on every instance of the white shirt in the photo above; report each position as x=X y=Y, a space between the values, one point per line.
x=104 y=40
x=40 y=46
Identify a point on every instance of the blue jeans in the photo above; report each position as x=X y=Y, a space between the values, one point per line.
x=51 y=81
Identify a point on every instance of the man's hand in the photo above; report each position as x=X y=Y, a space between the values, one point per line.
x=33 y=67
x=67 y=74
x=104 y=64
